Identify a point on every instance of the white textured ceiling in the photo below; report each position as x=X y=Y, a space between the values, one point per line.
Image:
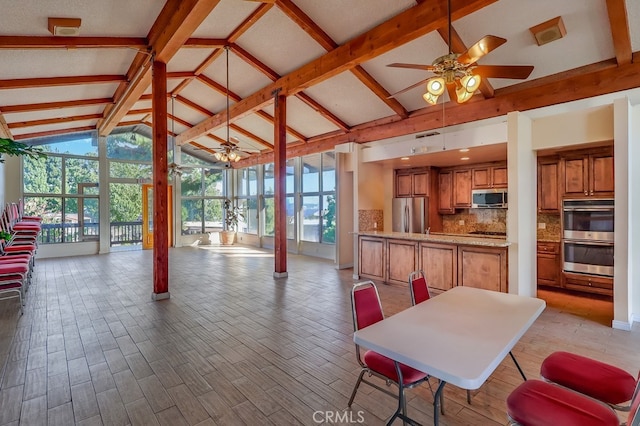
x=280 y=44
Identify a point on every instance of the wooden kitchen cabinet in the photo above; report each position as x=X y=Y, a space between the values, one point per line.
x=445 y=193
x=462 y=188
x=483 y=267
x=372 y=257
x=401 y=260
x=588 y=283
x=548 y=184
x=440 y=265
x=548 y=264
x=489 y=177
x=412 y=182
x=588 y=174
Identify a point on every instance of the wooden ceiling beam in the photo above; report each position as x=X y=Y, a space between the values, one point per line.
x=619 y=24
x=321 y=37
x=56 y=120
x=251 y=136
x=199 y=70
x=219 y=88
x=400 y=29
x=140 y=111
x=249 y=22
x=205 y=42
x=26 y=83
x=458 y=46
x=323 y=111
x=177 y=20
x=9 y=109
x=4 y=129
x=580 y=83
x=54 y=132
x=35 y=42
x=254 y=62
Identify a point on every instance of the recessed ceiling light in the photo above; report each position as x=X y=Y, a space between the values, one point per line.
x=464 y=150
x=404 y=158
x=464 y=158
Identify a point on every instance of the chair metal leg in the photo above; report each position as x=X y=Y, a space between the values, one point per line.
x=468 y=397
x=355 y=388
x=438 y=402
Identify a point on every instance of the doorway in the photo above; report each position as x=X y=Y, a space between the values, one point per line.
x=147 y=215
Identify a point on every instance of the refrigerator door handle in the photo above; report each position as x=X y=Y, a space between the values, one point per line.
x=406 y=218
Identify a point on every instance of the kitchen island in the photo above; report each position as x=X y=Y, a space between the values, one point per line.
x=448 y=260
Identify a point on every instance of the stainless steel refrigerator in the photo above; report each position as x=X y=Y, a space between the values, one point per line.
x=410 y=215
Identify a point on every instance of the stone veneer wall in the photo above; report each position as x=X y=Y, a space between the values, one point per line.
x=553 y=227
x=367 y=219
x=487 y=220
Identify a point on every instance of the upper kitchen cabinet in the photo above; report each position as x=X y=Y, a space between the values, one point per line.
x=412 y=182
x=588 y=173
x=489 y=177
x=462 y=188
x=548 y=182
x=445 y=188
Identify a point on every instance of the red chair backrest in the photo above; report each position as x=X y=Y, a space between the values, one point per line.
x=420 y=290
x=367 y=309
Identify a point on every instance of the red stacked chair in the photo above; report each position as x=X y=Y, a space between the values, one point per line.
x=17 y=253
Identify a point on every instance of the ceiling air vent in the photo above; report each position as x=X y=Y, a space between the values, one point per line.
x=426 y=135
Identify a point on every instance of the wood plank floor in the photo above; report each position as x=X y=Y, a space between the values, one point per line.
x=233 y=346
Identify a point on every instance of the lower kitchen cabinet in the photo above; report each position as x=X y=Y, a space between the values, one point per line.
x=372 y=257
x=483 y=267
x=548 y=264
x=588 y=283
x=440 y=265
x=446 y=264
x=401 y=260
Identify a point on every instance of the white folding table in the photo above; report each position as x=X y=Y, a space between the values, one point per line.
x=459 y=336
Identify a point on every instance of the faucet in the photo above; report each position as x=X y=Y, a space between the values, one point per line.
x=426 y=231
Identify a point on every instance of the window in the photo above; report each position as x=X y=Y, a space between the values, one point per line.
x=318 y=198
x=63 y=189
x=269 y=201
x=248 y=199
x=202 y=191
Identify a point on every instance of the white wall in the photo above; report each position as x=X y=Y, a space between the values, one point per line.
x=633 y=190
x=344 y=215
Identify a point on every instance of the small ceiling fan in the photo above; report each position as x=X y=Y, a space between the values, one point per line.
x=459 y=73
x=230 y=151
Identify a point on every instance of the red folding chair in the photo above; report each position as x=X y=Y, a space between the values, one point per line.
x=539 y=403
x=367 y=310
x=418 y=287
x=601 y=381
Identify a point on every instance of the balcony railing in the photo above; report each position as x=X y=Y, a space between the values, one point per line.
x=121 y=233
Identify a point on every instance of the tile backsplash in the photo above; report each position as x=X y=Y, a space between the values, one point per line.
x=468 y=220
x=552 y=228
x=370 y=220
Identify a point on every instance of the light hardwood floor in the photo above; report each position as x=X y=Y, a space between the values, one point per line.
x=234 y=346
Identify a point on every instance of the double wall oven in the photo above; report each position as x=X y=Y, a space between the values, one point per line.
x=587 y=240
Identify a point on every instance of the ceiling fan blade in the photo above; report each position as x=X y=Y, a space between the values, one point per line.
x=412 y=66
x=262 y=1
x=485 y=45
x=234 y=140
x=406 y=89
x=504 y=71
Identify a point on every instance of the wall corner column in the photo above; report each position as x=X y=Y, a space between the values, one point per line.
x=522 y=212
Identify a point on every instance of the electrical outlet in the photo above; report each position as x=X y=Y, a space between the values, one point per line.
x=542 y=225
x=461 y=222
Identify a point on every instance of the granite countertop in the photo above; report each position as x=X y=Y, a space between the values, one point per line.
x=463 y=239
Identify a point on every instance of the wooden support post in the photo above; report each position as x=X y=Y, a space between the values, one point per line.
x=160 y=178
x=280 y=194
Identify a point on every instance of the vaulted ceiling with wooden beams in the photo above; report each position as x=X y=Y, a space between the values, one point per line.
x=328 y=57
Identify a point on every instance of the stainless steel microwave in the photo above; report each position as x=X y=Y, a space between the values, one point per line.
x=489 y=198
